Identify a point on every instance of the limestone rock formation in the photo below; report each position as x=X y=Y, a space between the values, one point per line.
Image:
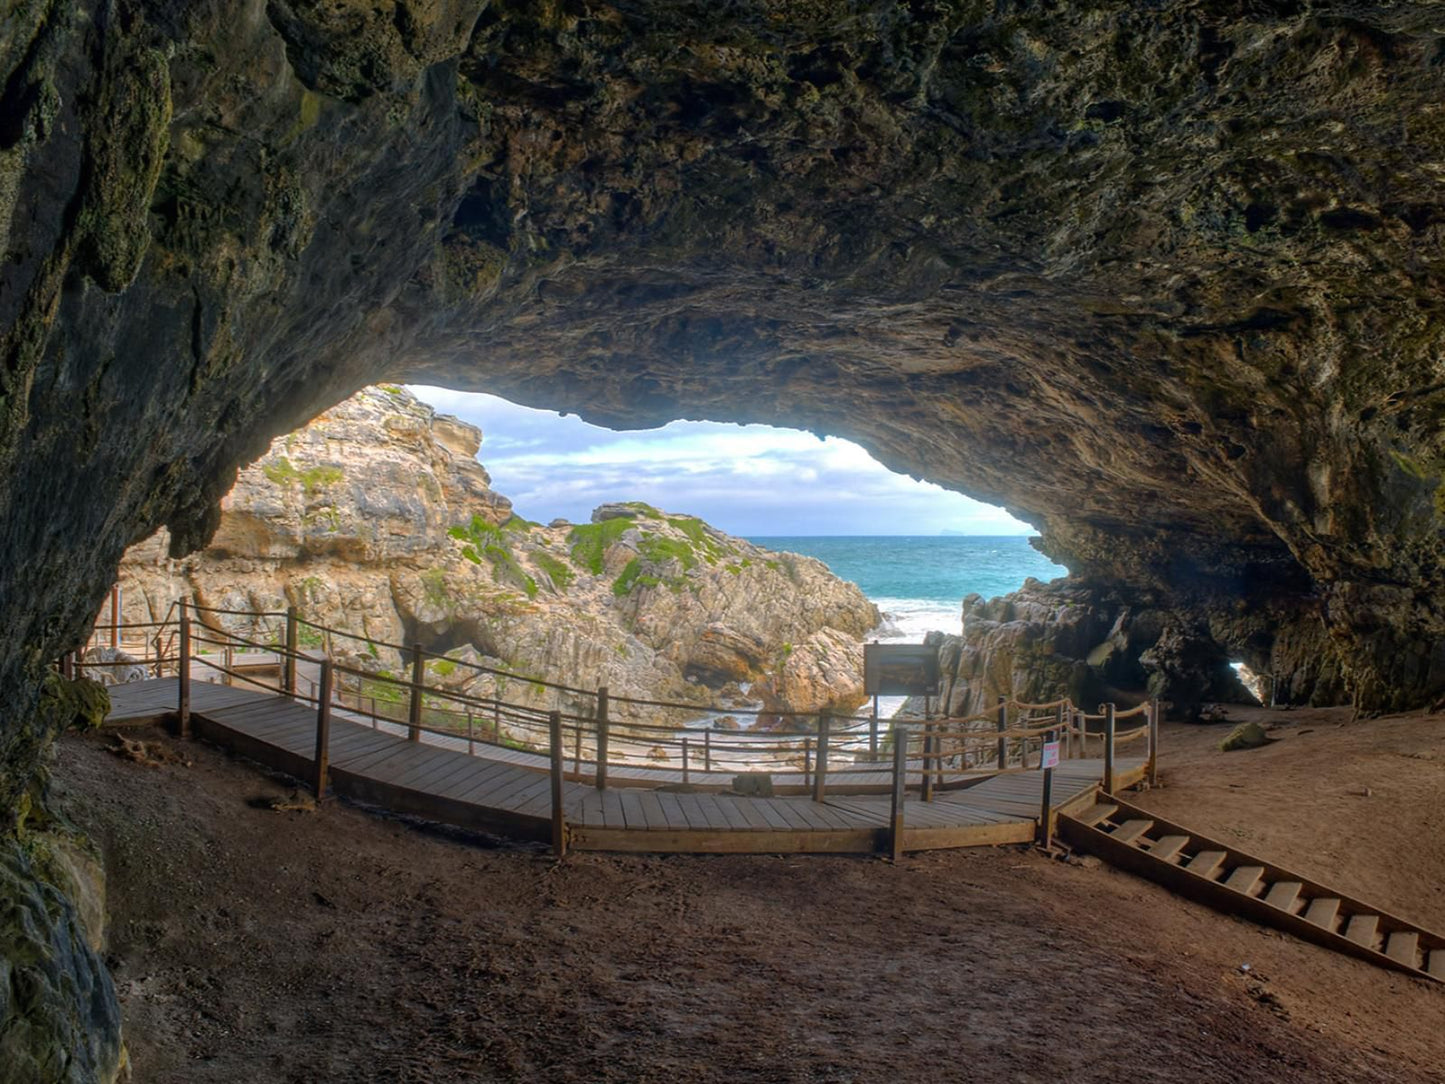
x=376 y=519
x=1067 y=639
x=1164 y=280
x=1087 y=262
x=822 y=673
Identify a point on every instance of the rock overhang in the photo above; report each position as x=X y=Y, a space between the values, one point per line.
x=1162 y=282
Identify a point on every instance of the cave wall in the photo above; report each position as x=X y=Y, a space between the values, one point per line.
x=1162 y=280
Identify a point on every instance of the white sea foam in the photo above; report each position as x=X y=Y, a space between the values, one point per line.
x=908 y=620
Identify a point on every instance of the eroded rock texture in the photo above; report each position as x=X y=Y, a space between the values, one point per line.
x=1163 y=279
x=377 y=520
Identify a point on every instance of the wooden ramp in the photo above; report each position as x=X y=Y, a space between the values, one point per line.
x=1229 y=880
x=447 y=784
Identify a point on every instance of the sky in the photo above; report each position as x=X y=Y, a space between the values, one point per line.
x=748 y=480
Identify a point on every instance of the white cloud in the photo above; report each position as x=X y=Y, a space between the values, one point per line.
x=751 y=479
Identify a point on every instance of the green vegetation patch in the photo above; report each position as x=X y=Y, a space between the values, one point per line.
x=556 y=570
x=487 y=543
x=284 y=473
x=434 y=588
x=697 y=533
x=588 y=542
x=659 y=549
x=633 y=577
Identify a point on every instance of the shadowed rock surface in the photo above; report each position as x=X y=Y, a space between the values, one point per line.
x=1164 y=281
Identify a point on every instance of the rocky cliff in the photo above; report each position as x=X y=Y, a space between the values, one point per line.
x=1163 y=283
x=377 y=519
x=1162 y=279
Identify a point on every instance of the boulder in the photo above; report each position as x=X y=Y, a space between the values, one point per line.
x=1245 y=736
x=116 y=667
x=753 y=784
x=822 y=673
x=722 y=655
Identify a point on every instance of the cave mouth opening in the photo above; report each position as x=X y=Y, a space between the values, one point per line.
x=1258 y=685
x=915 y=548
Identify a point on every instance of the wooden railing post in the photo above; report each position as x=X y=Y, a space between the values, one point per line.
x=559 y=824
x=322 y=760
x=183 y=678
x=820 y=774
x=807 y=762
x=293 y=639
x=685 y=777
x=1046 y=813
x=602 y=725
x=115 y=615
x=707 y=749
x=900 y=774
x=1108 y=748
x=1002 y=726
x=1152 y=772
x=413 y=714
x=873 y=731
x=926 y=790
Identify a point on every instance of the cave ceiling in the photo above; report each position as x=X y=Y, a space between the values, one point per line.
x=1162 y=279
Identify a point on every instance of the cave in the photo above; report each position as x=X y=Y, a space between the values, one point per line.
x=1162 y=282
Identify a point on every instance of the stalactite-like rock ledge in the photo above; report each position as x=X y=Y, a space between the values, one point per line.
x=1164 y=280
x=1164 y=283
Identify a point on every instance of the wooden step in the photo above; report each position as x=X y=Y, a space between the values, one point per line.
x=1436 y=964
x=1129 y=831
x=1363 y=929
x=1246 y=879
x=1096 y=813
x=1168 y=847
x=1324 y=911
x=1207 y=863
x=1284 y=895
x=1403 y=946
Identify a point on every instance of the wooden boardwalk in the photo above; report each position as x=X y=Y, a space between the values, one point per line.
x=502 y=796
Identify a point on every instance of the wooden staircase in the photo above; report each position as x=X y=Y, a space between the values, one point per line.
x=1229 y=880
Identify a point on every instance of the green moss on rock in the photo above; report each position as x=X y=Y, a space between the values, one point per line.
x=588 y=543
x=60 y=1020
x=128 y=147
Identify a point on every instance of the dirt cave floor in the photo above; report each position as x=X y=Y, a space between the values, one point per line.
x=250 y=945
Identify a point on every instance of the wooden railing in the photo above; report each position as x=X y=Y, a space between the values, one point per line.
x=940 y=753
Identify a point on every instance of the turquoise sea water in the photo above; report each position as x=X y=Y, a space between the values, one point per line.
x=919 y=581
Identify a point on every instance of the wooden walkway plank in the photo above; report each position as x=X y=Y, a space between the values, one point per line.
x=499 y=783
x=485 y=779
x=744 y=807
x=631 y=802
x=509 y=786
x=672 y=810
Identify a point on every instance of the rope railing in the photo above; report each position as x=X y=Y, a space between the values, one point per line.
x=939 y=750
x=622 y=700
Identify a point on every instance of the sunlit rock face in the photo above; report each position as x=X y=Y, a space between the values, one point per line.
x=377 y=520
x=1162 y=280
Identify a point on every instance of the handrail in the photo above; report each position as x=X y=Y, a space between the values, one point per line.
x=235 y=613
x=941 y=748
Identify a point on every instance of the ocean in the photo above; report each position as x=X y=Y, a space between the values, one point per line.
x=919 y=581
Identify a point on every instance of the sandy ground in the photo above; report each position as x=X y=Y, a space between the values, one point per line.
x=256 y=946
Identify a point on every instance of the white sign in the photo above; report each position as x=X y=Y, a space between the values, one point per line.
x=1051 y=755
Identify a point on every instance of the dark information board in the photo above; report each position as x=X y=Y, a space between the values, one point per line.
x=900 y=669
